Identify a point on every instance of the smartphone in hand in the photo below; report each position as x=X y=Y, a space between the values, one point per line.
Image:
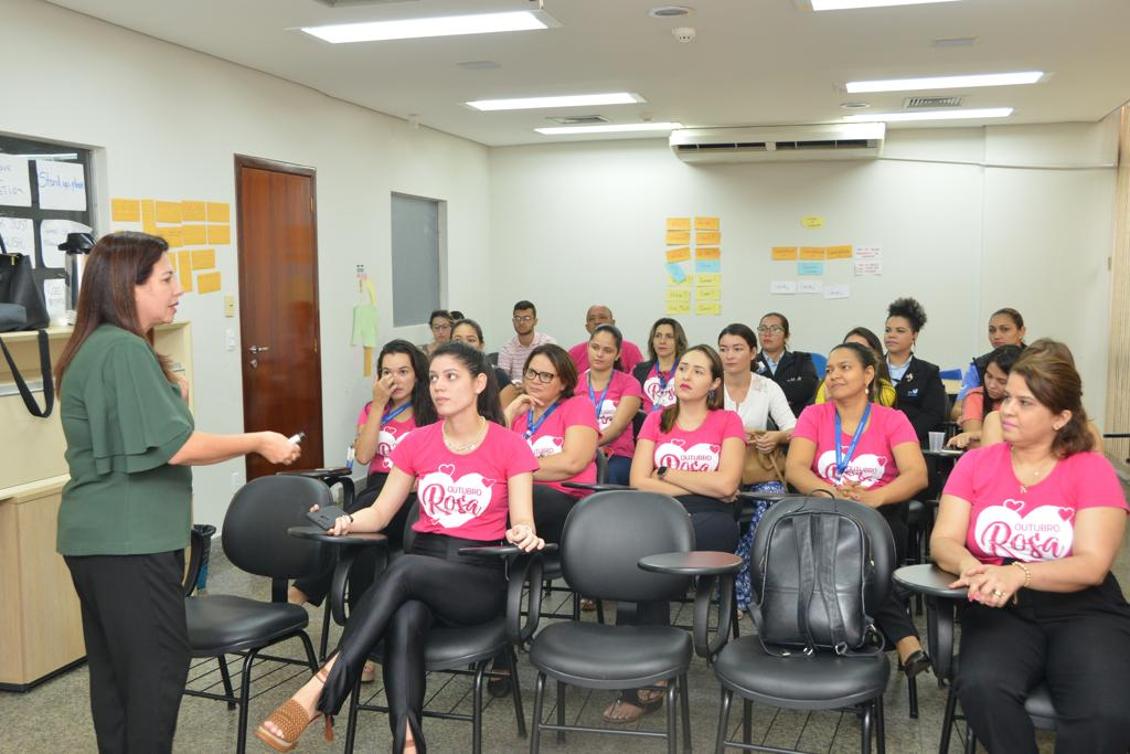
x=325 y=517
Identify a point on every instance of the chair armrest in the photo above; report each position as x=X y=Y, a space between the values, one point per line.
x=504 y=551
x=525 y=577
x=195 y=558
x=330 y=476
x=709 y=567
x=597 y=486
x=694 y=563
x=941 y=609
x=347 y=546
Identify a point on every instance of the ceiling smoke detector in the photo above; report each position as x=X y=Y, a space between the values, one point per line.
x=684 y=34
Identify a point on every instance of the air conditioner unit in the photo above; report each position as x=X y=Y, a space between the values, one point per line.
x=845 y=141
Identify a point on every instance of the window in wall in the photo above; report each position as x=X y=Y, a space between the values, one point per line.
x=418 y=252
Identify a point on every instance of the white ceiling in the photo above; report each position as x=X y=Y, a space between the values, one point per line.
x=753 y=62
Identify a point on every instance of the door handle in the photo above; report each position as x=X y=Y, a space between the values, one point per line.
x=258 y=349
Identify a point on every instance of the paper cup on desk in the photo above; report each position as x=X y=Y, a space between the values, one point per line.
x=937 y=440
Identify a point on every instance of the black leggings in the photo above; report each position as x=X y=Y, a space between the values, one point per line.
x=892 y=616
x=432 y=583
x=551 y=507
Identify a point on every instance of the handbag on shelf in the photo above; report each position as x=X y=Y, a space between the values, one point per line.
x=22 y=308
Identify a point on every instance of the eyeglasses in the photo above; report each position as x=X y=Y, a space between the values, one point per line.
x=523 y=318
x=440 y=326
x=763 y=329
x=543 y=377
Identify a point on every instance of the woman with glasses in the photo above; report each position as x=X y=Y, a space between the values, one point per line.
x=560 y=429
x=665 y=345
x=792 y=370
x=440 y=323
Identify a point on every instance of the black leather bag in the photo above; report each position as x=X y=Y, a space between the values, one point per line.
x=816 y=571
x=18 y=286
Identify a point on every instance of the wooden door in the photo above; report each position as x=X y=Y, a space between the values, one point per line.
x=278 y=293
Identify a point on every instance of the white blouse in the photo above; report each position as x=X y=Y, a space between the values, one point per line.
x=764 y=399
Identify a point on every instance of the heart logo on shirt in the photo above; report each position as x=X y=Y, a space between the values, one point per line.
x=546 y=445
x=387 y=441
x=1044 y=534
x=1014 y=505
x=453 y=502
x=699 y=457
x=659 y=396
x=1066 y=513
x=607 y=412
x=864 y=470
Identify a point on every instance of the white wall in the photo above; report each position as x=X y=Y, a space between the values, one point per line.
x=167 y=121
x=576 y=224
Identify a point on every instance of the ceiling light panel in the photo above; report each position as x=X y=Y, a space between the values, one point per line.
x=945 y=82
x=972 y=114
x=819 y=5
x=570 y=100
x=611 y=128
x=438 y=26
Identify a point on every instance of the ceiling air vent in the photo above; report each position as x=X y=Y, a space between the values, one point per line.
x=579 y=120
x=766 y=143
x=351 y=3
x=931 y=103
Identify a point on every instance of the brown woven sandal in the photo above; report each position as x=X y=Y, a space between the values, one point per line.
x=291 y=718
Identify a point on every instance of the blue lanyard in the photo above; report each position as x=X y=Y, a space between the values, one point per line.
x=592 y=394
x=386 y=418
x=663 y=380
x=841 y=462
x=532 y=426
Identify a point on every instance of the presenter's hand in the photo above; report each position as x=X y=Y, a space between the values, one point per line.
x=277 y=448
x=524 y=537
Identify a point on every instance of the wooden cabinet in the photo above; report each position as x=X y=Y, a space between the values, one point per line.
x=40 y=624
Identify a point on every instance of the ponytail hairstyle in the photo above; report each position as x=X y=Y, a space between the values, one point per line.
x=423 y=411
x=715 y=399
x=881 y=373
x=489 y=406
x=617 y=338
x=866 y=358
x=1056 y=384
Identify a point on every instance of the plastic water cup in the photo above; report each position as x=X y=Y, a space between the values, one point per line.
x=937 y=439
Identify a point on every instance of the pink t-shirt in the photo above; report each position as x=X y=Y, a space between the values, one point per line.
x=464 y=496
x=695 y=450
x=549 y=437
x=873 y=464
x=622 y=385
x=392 y=432
x=973 y=406
x=1029 y=523
x=658 y=390
x=629 y=356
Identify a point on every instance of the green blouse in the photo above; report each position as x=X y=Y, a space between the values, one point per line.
x=123 y=421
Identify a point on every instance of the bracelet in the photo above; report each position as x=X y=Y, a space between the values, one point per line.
x=1027 y=573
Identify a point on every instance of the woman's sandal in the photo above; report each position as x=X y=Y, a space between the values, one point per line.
x=640 y=707
x=291 y=718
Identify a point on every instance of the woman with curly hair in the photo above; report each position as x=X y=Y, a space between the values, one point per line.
x=921 y=395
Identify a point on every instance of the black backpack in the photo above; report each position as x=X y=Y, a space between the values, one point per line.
x=816 y=575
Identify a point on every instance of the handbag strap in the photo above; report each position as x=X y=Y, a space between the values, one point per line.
x=45 y=370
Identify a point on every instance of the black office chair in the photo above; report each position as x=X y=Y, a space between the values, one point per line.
x=817 y=681
x=606 y=534
x=255 y=540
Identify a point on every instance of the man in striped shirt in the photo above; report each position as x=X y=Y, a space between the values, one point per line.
x=512 y=356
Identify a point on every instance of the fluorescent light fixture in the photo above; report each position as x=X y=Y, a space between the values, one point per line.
x=984 y=112
x=570 y=100
x=610 y=128
x=819 y=5
x=439 y=26
x=945 y=82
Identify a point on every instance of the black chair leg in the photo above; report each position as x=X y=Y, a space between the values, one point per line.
x=225 y=677
x=600 y=611
x=865 y=730
x=560 y=711
x=685 y=697
x=308 y=645
x=539 y=697
x=747 y=721
x=947 y=721
x=324 y=642
x=912 y=697
x=723 y=721
x=477 y=707
x=669 y=703
x=244 y=699
x=880 y=725
x=576 y=606
x=516 y=691
x=970 y=740
x=351 y=721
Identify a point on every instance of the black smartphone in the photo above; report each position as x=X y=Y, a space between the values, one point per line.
x=325 y=517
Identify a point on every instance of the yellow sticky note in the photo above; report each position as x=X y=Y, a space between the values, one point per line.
x=203 y=259
x=219 y=212
x=706 y=223
x=681 y=254
x=709 y=278
x=839 y=252
x=811 y=252
x=679 y=307
x=784 y=253
x=708 y=308
x=219 y=234
x=173 y=235
x=678 y=223
x=148 y=212
x=686 y=282
x=678 y=294
x=125 y=210
x=812 y=221
x=708 y=252
x=173 y=261
x=208 y=282
x=708 y=237
x=708 y=293
x=184 y=269
x=193 y=212
x=678 y=237
x=195 y=235
x=168 y=212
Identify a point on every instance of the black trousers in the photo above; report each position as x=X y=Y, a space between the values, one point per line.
x=551 y=507
x=137 y=652
x=432 y=583
x=893 y=617
x=317 y=585
x=1078 y=643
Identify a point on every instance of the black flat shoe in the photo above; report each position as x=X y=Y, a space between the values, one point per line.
x=499 y=684
x=916 y=663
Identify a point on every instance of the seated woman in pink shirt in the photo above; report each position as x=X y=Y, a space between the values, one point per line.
x=561 y=430
x=1032 y=525
x=472 y=474
x=985 y=398
x=852 y=447
x=615 y=396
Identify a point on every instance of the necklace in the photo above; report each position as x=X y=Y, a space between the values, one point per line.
x=480 y=435
x=1035 y=473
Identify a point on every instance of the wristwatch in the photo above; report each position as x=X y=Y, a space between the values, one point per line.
x=661 y=472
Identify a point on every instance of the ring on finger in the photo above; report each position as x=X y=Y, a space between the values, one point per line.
x=998 y=593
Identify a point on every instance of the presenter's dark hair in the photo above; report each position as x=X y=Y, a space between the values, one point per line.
x=423 y=411
x=475 y=361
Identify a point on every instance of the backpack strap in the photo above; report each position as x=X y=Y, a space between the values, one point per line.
x=829 y=535
x=45 y=370
x=802 y=530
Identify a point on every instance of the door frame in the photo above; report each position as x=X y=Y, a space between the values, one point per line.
x=260 y=163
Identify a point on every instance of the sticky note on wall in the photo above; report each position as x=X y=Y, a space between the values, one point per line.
x=678 y=237
x=195 y=235
x=173 y=235
x=219 y=234
x=184 y=270
x=678 y=223
x=839 y=252
x=706 y=223
x=168 y=212
x=219 y=212
x=784 y=253
x=208 y=282
x=148 y=216
x=203 y=259
x=193 y=212
x=811 y=252
x=708 y=237
x=125 y=210
x=708 y=252
x=680 y=254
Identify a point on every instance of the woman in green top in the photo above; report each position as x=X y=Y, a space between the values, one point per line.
x=126 y=512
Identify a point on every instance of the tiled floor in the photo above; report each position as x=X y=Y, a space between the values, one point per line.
x=55 y=717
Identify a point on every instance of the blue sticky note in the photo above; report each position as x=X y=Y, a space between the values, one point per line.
x=810 y=268
x=675 y=270
x=708 y=265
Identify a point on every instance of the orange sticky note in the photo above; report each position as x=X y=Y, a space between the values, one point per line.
x=195 y=235
x=219 y=234
x=709 y=237
x=208 y=282
x=203 y=259
x=678 y=223
x=708 y=252
x=811 y=252
x=681 y=254
x=784 y=253
x=706 y=223
x=168 y=212
x=839 y=252
x=173 y=235
x=184 y=269
x=219 y=212
x=125 y=210
x=678 y=237
x=196 y=212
